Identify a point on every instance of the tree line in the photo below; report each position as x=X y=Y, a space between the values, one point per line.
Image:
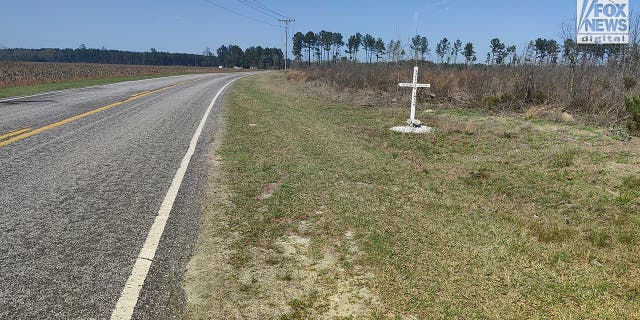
x=225 y=56
x=326 y=47
x=331 y=47
x=252 y=57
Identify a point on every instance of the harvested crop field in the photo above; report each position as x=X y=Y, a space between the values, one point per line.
x=14 y=74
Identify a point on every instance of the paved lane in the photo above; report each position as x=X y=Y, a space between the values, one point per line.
x=78 y=200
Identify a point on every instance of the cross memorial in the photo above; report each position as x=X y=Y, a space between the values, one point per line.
x=414 y=125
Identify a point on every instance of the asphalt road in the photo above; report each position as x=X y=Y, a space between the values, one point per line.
x=78 y=200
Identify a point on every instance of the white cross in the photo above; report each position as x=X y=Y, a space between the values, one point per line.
x=415 y=85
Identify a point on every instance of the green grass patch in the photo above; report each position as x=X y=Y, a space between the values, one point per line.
x=562 y=159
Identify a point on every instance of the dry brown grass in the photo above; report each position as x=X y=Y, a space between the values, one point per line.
x=14 y=74
x=593 y=94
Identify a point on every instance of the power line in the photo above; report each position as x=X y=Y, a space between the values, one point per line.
x=267 y=8
x=240 y=14
x=258 y=9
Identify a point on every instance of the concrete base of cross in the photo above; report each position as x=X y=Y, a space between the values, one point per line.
x=412 y=129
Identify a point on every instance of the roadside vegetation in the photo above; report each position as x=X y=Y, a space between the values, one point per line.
x=556 y=79
x=315 y=209
x=593 y=95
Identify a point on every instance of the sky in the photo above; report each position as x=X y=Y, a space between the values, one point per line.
x=191 y=25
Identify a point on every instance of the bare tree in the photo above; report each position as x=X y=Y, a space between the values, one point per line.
x=455 y=50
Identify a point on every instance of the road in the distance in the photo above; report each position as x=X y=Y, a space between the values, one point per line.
x=77 y=201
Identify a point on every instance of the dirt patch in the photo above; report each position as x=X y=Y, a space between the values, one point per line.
x=268 y=190
x=337 y=293
x=549 y=113
x=292 y=281
x=287 y=281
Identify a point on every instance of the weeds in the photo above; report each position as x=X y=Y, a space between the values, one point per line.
x=629 y=191
x=599 y=238
x=629 y=83
x=562 y=159
x=594 y=93
x=550 y=234
x=633 y=107
x=631 y=183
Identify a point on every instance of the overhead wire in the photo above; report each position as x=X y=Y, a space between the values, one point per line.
x=258 y=9
x=258 y=3
x=240 y=14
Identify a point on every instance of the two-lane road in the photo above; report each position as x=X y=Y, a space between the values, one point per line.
x=83 y=176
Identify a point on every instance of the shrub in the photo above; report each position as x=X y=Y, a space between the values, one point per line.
x=633 y=107
x=594 y=94
x=629 y=82
x=562 y=159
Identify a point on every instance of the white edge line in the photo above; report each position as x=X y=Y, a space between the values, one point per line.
x=109 y=84
x=131 y=292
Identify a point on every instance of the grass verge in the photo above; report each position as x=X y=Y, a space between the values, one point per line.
x=46 y=87
x=316 y=210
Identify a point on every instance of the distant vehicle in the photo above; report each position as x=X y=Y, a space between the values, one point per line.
x=219 y=67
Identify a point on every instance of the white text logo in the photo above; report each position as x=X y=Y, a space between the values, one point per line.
x=603 y=21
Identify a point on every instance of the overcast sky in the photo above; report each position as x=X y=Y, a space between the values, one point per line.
x=191 y=25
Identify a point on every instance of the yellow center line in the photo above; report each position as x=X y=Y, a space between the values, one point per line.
x=14 y=133
x=140 y=93
x=25 y=133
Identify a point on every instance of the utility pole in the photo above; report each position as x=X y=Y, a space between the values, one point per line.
x=286 y=41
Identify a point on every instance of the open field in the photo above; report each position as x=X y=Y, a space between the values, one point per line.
x=315 y=209
x=24 y=78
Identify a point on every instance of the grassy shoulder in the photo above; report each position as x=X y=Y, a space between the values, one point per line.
x=46 y=87
x=315 y=209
